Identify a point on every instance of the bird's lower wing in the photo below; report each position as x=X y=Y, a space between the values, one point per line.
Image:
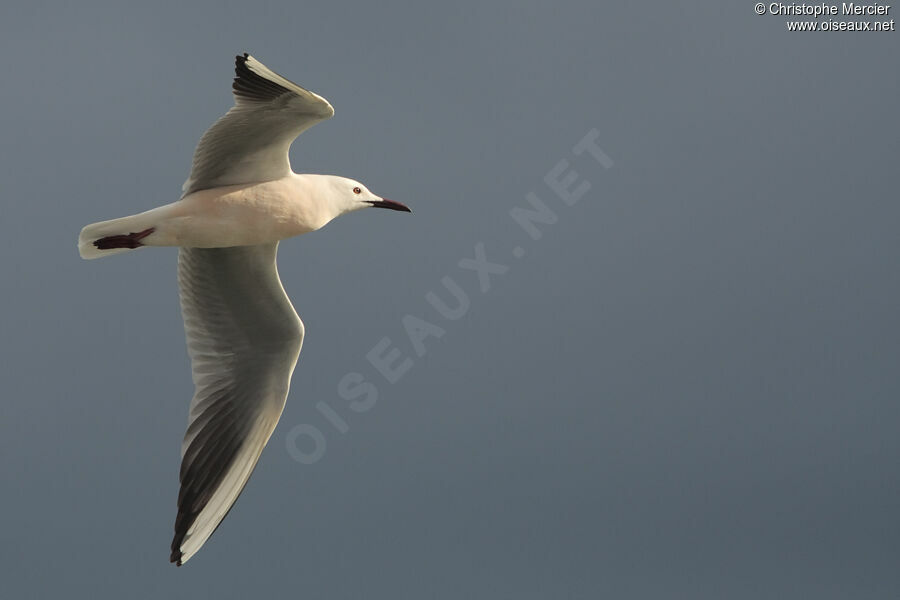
x=243 y=338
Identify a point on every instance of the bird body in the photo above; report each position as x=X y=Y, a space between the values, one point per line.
x=236 y=215
x=243 y=334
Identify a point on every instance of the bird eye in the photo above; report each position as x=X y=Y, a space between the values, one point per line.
x=356 y=190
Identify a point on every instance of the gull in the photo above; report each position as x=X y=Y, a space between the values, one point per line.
x=243 y=334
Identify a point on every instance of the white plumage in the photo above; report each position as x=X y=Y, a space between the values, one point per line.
x=243 y=334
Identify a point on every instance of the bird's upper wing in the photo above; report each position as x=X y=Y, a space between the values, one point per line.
x=243 y=338
x=250 y=142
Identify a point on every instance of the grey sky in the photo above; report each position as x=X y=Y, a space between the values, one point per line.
x=686 y=388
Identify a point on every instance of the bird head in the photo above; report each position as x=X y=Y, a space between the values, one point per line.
x=349 y=195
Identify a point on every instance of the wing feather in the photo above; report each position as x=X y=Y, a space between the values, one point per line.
x=243 y=338
x=250 y=143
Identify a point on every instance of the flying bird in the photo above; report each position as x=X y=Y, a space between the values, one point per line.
x=243 y=334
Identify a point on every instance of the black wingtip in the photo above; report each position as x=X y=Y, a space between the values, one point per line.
x=240 y=63
x=180 y=531
x=251 y=85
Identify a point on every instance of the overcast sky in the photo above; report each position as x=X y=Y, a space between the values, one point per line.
x=683 y=383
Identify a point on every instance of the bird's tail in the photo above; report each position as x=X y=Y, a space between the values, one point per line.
x=117 y=235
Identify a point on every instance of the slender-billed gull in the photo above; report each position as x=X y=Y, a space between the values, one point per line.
x=243 y=334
